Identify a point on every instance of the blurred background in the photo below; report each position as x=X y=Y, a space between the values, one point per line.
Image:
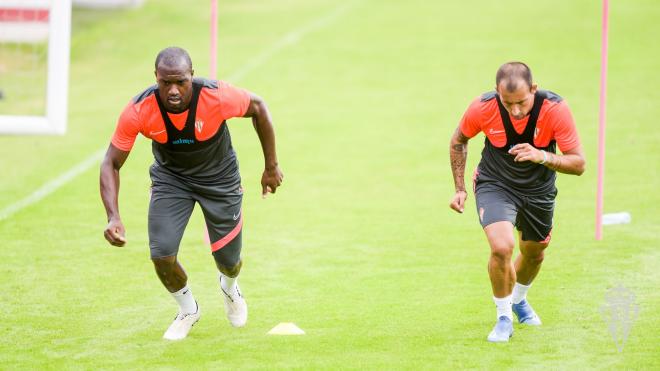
x=358 y=247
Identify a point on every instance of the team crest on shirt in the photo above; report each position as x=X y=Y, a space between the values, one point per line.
x=199 y=124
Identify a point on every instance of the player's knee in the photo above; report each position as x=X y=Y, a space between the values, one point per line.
x=164 y=263
x=230 y=271
x=229 y=265
x=502 y=251
x=533 y=251
x=534 y=255
x=538 y=258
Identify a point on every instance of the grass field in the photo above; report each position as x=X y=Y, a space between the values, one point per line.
x=358 y=247
x=23 y=84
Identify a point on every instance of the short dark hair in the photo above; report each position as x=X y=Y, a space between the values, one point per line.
x=172 y=56
x=512 y=73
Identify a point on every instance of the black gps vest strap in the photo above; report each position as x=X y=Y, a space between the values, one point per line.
x=527 y=136
x=185 y=136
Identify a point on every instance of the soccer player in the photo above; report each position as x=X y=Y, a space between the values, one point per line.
x=194 y=162
x=514 y=183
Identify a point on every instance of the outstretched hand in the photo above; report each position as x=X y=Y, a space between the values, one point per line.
x=458 y=201
x=270 y=180
x=526 y=152
x=115 y=233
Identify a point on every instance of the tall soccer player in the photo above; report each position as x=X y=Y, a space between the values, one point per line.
x=514 y=184
x=194 y=162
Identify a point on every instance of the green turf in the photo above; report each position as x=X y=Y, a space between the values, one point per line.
x=23 y=84
x=358 y=247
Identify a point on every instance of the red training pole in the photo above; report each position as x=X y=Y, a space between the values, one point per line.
x=214 y=39
x=601 y=124
x=212 y=69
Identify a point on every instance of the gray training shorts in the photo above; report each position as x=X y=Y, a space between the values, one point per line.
x=172 y=202
x=532 y=215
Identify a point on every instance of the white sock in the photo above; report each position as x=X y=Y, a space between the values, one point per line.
x=519 y=292
x=503 y=307
x=184 y=297
x=228 y=284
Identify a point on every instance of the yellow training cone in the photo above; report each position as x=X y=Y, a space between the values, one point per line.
x=286 y=328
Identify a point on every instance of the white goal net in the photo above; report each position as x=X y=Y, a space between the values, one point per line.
x=34 y=66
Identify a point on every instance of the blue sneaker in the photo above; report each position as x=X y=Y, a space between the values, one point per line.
x=526 y=314
x=502 y=331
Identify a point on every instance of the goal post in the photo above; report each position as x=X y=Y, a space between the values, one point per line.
x=17 y=30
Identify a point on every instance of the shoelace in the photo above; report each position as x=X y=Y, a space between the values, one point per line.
x=181 y=316
x=229 y=296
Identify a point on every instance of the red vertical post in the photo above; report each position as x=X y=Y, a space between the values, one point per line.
x=213 y=66
x=601 y=123
x=214 y=39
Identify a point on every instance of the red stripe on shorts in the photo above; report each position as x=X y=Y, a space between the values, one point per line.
x=474 y=180
x=547 y=239
x=217 y=245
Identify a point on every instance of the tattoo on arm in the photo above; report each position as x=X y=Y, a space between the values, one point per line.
x=458 y=147
x=567 y=163
x=460 y=137
x=458 y=158
x=550 y=161
x=555 y=161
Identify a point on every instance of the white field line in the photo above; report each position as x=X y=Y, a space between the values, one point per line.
x=52 y=185
x=289 y=39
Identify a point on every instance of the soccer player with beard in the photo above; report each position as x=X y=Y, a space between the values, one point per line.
x=514 y=184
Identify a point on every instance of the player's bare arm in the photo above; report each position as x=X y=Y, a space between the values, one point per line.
x=569 y=162
x=263 y=124
x=458 y=158
x=109 y=179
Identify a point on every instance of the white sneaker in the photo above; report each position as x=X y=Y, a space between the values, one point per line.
x=236 y=308
x=181 y=326
x=502 y=331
